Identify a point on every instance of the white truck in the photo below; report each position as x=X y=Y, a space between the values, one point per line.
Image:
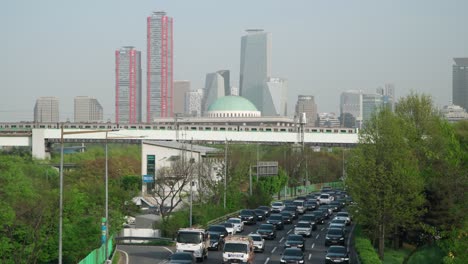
x=238 y=249
x=193 y=240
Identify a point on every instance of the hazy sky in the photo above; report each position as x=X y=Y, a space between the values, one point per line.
x=66 y=48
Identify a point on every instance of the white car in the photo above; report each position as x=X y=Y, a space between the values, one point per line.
x=343 y=216
x=303 y=228
x=325 y=198
x=229 y=228
x=238 y=224
x=258 y=241
x=277 y=207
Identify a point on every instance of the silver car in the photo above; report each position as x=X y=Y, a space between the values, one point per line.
x=258 y=242
x=303 y=228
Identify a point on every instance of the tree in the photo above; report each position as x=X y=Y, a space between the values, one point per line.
x=383 y=178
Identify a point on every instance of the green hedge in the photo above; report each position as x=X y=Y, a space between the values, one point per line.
x=366 y=251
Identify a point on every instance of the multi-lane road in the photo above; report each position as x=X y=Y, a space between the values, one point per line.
x=315 y=249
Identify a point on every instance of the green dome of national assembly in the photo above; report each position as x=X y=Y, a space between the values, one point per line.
x=232 y=106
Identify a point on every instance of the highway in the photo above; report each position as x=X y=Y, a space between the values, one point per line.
x=315 y=249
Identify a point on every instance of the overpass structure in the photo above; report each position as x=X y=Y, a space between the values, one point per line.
x=41 y=137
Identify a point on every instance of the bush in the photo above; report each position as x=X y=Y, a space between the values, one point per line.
x=366 y=251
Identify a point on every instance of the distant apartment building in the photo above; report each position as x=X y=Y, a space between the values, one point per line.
x=328 y=120
x=460 y=82
x=371 y=103
x=87 y=109
x=255 y=67
x=275 y=97
x=46 y=110
x=306 y=104
x=193 y=103
x=388 y=95
x=234 y=90
x=351 y=103
x=128 y=91
x=217 y=85
x=180 y=89
x=159 y=81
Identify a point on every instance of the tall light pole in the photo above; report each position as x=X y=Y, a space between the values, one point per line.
x=225 y=172
x=62 y=133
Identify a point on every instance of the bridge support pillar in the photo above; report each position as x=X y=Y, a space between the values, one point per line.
x=38 y=144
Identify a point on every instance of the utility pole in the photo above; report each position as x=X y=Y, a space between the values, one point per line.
x=225 y=171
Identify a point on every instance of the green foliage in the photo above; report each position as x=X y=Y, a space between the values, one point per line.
x=396 y=256
x=427 y=254
x=366 y=251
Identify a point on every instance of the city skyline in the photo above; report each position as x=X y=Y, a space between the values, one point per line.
x=321 y=48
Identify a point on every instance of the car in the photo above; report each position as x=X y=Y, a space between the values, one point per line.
x=344 y=216
x=296 y=241
x=248 y=216
x=216 y=242
x=276 y=220
x=336 y=225
x=287 y=217
x=292 y=255
x=336 y=206
x=267 y=209
x=220 y=229
x=230 y=228
x=303 y=228
x=238 y=224
x=337 y=254
x=328 y=207
x=338 y=221
x=258 y=242
x=319 y=217
x=325 y=198
x=293 y=210
x=326 y=189
x=335 y=236
x=261 y=214
x=181 y=258
x=325 y=213
x=310 y=205
x=277 y=207
x=267 y=231
x=312 y=219
x=299 y=206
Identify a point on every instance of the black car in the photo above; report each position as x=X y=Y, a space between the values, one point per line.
x=216 y=242
x=293 y=209
x=267 y=209
x=312 y=219
x=310 y=205
x=267 y=231
x=261 y=214
x=287 y=217
x=248 y=216
x=295 y=241
x=276 y=220
x=335 y=236
x=337 y=254
x=325 y=213
x=292 y=255
x=319 y=217
x=336 y=206
x=181 y=258
x=219 y=229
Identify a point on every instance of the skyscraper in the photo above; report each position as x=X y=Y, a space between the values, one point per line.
x=370 y=104
x=193 y=103
x=46 y=109
x=159 y=80
x=460 y=82
x=128 y=85
x=275 y=97
x=351 y=103
x=216 y=86
x=388 y=95
x=87 y=109
x=180 y=89
x=255 y=66
x=306 y=104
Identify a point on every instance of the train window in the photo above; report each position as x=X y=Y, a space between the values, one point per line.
x=283 y=129
x=335 y=131
x=162 y=128
x=328 y=131
x=222 y=129
x=254 y=129
x=87 y=126
x=268 y=129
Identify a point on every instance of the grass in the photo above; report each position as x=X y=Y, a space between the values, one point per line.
x=427 y=254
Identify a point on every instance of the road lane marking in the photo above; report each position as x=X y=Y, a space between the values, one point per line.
x=313 y=245
x=310 y=256
x=266 y=261
x=126 y=255
x=317 y=236
x=281 y=239
x=322 y=229
x=273 y=250
x=289 y=231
